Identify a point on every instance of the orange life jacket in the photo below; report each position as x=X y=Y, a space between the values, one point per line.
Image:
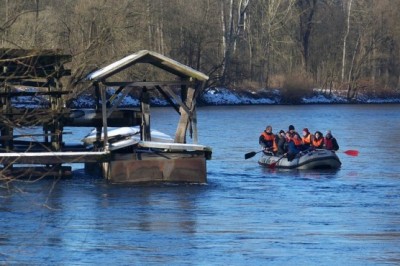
x=296 y=140
x=318 y=143
x=307 y=139
x=270 y=137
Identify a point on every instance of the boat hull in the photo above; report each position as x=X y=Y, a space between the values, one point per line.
x=316 y=159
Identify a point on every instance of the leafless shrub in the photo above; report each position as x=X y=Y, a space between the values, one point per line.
x=295 y=87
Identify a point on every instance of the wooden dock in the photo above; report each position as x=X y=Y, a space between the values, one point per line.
x=142 y=160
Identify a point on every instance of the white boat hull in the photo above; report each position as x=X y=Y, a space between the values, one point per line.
x=128 y=136
x=316 y=159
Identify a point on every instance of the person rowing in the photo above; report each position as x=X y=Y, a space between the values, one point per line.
x=267 y=140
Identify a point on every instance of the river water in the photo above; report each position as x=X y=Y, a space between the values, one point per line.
x=245 y=215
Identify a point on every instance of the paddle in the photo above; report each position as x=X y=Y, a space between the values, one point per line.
x=351 y=152
x=272 y=165
x=251 y=154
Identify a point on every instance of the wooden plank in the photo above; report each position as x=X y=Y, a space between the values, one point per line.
x=53 y=157
x=33 y=93
x=173 y=146
x=140 y=84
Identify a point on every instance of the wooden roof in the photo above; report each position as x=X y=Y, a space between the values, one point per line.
x=153 y=58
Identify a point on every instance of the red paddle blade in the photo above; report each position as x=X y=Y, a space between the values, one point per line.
x=272 y=165
x=351 y=152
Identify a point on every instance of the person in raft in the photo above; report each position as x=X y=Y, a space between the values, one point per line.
x=330 y=142
x=280 y=140
x=294 y=143
x=267 y=140
x=318 y=140
x=307 y=139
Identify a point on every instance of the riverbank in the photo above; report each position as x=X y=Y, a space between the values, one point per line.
x=222 y=96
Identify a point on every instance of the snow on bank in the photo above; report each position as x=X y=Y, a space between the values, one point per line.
x=321 y=98
x=223 y=96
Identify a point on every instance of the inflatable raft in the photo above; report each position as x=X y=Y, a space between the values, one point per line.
x=315 y=159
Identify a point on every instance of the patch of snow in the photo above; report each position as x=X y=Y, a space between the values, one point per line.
x=225 y=96
x=221 y=96
x=321 y=98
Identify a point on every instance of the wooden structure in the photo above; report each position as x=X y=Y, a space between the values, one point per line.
x=141 y=161
x=149 y=161
x=42 y=70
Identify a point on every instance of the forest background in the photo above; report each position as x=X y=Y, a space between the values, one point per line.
x=352 y=46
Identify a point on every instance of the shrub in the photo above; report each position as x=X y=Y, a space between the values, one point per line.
x=295 y=88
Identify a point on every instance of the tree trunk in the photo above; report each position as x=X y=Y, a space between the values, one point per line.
x=345 y=39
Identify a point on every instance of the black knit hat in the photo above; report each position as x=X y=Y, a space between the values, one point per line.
x=291 y=127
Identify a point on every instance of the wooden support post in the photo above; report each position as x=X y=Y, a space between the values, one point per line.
x=7 y=130
x=193 y=122
x=104 y=115
x=56 y=127
x=98 y=107
x=180 y=135
x=145 y=109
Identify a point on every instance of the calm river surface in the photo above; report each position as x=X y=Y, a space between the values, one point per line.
x=245 y=215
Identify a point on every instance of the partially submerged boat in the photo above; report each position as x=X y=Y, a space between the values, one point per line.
x=125 y=135
x=314 y=159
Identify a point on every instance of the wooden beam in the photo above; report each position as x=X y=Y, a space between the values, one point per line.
x=177 y=99
x=33 y=93
x=180 y=135
x=104 y=115
x=166 y=97
x=115 y=106
x=193 y=122
x=145 y=109
x=148 y=84
x=53 y=157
